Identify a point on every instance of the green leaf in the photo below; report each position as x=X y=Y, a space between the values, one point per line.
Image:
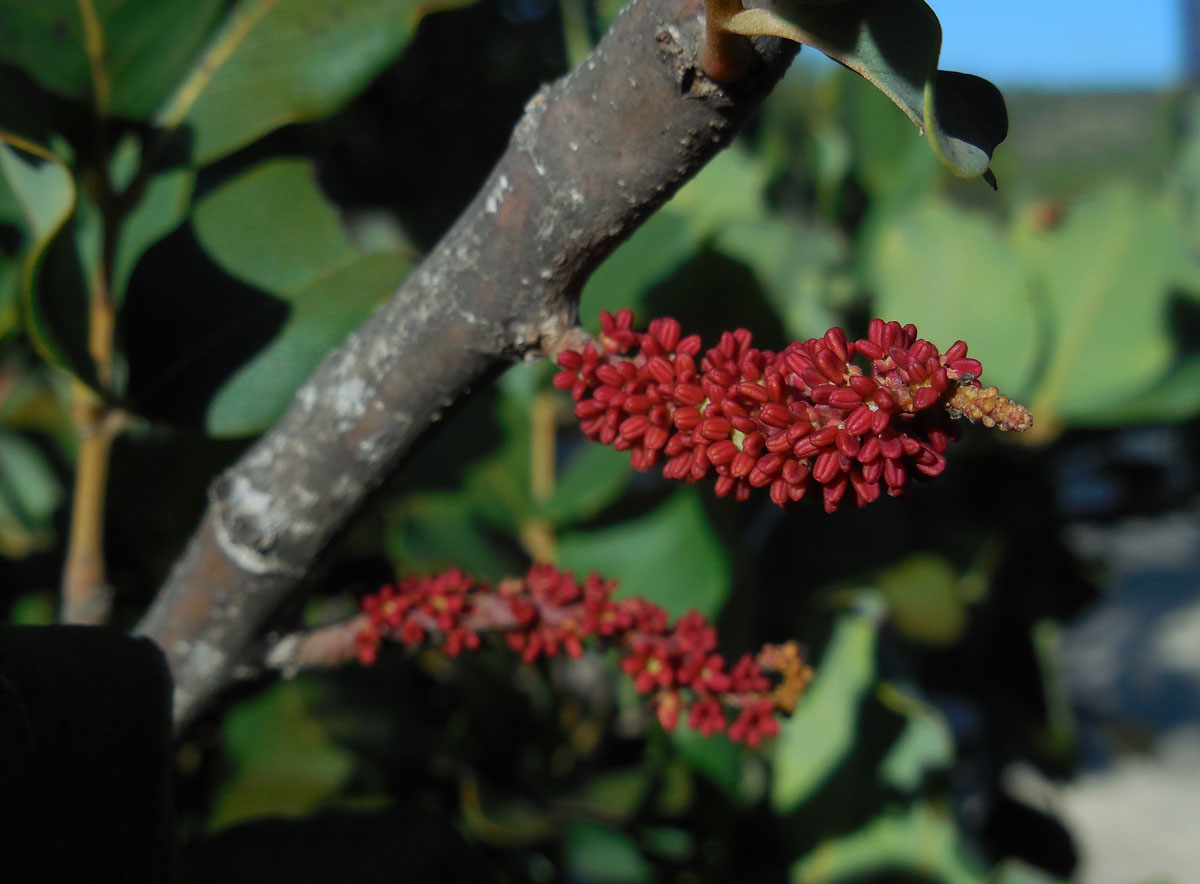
x=1173 y=398
x=795 y=266
x=951 y=273
x=1014 y=871
x=814 y=741
x=55 y=302
x=1106 y=275
x=715 y=757
x=893 y=167
x=273 y=63
x=922 y=842
x=45 y=37
x=10 y=296
x=671 y=556
x=593 y=478
x=669 y=842
x=430 y=532
x=614 y=794
x=656 y=249
x=286 y=763
x=924 y=599
x=272 y=228
x=728 y=189
x=143 y=47
x=323 y=312
x=34 y=609
x=30 y=494
x=925 y=744
x=895 y=45
x=162 y=207
x=233 y=351
x=499 y=485
x=41 y=184
x=598 y=854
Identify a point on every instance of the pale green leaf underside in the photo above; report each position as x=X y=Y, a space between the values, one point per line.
x=43 y=187
x=818 y=737
x=920 y=842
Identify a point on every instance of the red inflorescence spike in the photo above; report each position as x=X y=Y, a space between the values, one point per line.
x=846 y=425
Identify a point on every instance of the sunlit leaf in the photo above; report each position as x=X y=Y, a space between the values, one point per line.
x=795 y=265
x=1104 y=278
x=1174 y=398
x=925 y=744
x=39 y=182
x=922 y=841
x=951 y=273
x=821 y=734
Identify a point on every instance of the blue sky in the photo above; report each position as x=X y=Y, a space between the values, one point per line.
x=1064 y=43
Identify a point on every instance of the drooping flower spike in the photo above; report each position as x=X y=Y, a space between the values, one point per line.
x=756 y=418
x=549 y=612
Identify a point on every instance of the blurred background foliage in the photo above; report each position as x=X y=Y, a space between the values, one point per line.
x=245 y=181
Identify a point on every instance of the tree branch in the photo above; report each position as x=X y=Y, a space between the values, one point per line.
x=593 y=155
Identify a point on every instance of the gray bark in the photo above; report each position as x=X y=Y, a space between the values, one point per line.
x=593 y=155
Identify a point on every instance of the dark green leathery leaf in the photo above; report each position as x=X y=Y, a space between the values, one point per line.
x=895 y=45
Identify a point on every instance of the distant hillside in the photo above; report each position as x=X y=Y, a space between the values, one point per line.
x=1058 y=143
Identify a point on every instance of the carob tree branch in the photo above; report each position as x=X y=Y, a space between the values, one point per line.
x=593 y=155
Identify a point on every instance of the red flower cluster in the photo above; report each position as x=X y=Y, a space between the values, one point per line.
x=548 y=612
x=756 y=418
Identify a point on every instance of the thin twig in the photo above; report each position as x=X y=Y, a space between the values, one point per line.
x=323 y=648
x=86 y=597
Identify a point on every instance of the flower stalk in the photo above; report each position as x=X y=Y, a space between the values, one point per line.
x=548 y=612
